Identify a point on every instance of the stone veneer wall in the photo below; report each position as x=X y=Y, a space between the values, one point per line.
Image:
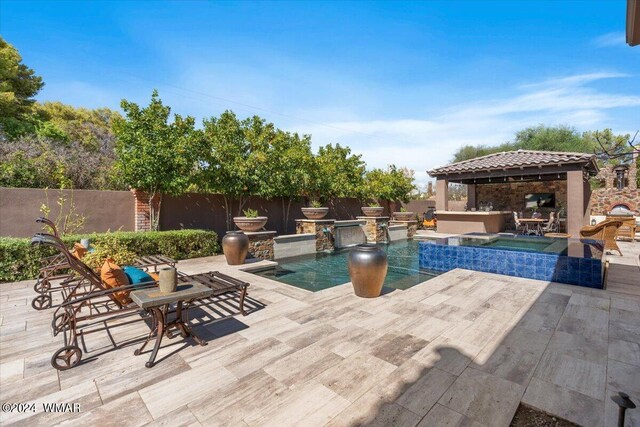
x=603 y=199
x=261 y=244
x=510 y=196
x=375 y=228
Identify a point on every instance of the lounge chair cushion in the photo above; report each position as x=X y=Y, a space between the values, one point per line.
x=79 y=251
x=136 y=276
x=113 y=276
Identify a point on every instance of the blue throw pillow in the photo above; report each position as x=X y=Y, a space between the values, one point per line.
x=136 y=276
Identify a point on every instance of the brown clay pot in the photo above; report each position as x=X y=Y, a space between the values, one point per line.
x=235 y=245
x=315 y=213
x=250 y=224
x=367 y=269
x=372 y=210
x=404 y=216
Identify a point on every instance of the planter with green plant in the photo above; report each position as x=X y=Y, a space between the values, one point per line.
x=315 y=210
x=374 y=209
x=404 y=215
x=250 y=221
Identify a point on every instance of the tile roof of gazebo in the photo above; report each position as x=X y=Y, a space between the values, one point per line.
x=523 y=160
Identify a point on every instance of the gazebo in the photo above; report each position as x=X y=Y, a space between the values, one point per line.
x=508 y=181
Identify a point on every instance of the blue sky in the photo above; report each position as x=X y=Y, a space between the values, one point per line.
x=403 y=83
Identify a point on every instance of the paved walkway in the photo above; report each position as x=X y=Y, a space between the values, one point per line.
x=462 y=349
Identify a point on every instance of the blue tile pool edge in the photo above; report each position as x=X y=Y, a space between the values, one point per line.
x=586 y=272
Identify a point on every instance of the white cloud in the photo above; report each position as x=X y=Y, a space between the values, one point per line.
x=422 y=144
x=616 y=38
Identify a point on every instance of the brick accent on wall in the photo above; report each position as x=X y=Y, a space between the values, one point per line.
x=142 y=211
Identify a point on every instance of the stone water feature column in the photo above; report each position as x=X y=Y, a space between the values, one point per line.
x=323 y=230
x=375 y=228
x=261 y=244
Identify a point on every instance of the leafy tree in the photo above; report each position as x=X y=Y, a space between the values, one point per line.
x=392 y=184
x=234 y=157
x=543 y=138
x=291 y=170
x=91 y=128
x=18 y=85
x=340 y=173
x=154 y=155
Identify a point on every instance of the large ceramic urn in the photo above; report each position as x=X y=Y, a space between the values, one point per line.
x=235 y=245
x=367 y=269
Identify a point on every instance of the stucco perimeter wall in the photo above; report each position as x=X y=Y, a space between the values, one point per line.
x=103 y=210
x=511 y=196
x=206 y=211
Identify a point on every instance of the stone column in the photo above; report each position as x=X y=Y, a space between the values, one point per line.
x=375 y=228
x=323 y=230
x=577 y=216
x=442 y=195
x=142 y=209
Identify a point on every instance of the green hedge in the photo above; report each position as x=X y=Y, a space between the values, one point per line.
x=19 y=260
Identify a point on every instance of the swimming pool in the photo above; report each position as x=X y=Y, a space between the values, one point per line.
x=571 y=261
x=326 y=270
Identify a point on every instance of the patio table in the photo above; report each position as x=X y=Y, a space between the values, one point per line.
x=157 y=303
x=536 y=223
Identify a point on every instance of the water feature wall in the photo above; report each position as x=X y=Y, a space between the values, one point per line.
x=348 y=233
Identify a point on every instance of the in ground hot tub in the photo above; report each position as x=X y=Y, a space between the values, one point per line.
x=571 y=261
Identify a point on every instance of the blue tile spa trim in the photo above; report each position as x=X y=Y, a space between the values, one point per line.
x=584 y=271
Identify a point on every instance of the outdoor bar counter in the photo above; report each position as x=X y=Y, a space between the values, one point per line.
x=472 y=221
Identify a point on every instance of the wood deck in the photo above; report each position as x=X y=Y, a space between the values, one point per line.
x=462 y=349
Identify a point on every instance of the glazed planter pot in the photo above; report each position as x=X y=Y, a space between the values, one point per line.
x=250 y=224
x=404 y=216
x=372 y=211
x=315 y=213
x=235 y=246
x=367 y=269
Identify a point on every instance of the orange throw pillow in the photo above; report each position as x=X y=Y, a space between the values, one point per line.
x=79 y=251
x=154 y=276
x=113 y=276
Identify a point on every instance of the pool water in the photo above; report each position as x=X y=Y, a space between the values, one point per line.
x=523 y=243
x=326 y=270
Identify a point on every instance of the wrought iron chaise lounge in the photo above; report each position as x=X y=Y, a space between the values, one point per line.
x=53 y=265
x=93 y=300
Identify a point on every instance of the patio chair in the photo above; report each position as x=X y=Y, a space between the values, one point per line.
x=96 y=301
x=605 y=231
x=552 y=225
x=520 y=227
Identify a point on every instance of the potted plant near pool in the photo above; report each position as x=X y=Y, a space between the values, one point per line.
x=315 y=210
x=404 y=215
x=374 y=209
x=250 y=221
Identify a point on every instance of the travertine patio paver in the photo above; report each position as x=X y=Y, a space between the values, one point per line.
x=462 y=349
